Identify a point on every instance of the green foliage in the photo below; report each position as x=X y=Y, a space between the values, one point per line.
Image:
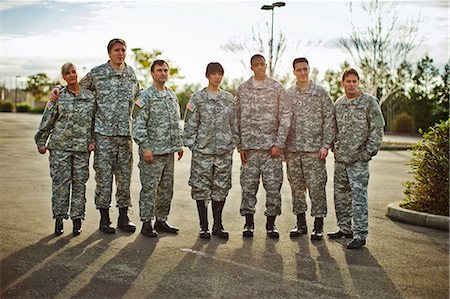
x=38 y=110
x=428 y=192
x=6 y=106
x=23 y=108
x=332 y=81
x=39 y=86
x=404 y=123
x=184 y=94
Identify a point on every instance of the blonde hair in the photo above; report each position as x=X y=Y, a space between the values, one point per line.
x=65 y=68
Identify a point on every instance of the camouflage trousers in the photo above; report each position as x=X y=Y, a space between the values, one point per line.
x=157 y=187
x=69 y=172
x=306 y=171
x=113 y=157
x=210 y=176
x=261 y=165
x=351 y=199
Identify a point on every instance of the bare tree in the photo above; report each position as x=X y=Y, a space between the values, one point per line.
x=381 y=47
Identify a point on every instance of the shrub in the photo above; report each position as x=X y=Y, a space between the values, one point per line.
x=38 y=110
x=6 y=106
x=23 y=108
x=404 y=123
x=428 y=192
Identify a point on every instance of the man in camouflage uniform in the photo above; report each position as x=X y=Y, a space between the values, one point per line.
x=359 y=135
x=157 y=131
x=68 y=125
x=312 y=132
x=263 y=116
x=115 y=87
x=210 y=132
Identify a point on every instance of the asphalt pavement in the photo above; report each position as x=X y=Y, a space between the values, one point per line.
x=399 y=260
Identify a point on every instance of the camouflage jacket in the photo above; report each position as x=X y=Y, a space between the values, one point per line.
x=359 y=128
x=156 y=123
x=313 y=124
x=263 y=115
x=68 y=123
x=210 y=124
x=115 y=94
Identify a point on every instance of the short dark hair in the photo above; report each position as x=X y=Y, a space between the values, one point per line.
x=300 y=59
x=214 y=67
x=255 y=57
x=157 y=62
x=115 y=41
x=350 y=71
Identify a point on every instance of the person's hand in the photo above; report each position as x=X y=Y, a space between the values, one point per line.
x=42 y=150
x=180 y=154
x=54 y=94
x=91 y=147
x=323 y=153
x=148 y=156
x=275 y=151
x=244 y=156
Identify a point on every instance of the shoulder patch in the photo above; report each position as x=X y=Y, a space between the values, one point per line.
x=139 y=103
x=49 y=105
x=190 y=106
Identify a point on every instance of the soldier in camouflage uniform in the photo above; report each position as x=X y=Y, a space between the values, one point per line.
x=263 y=116
x=115 y=87
x=157 y=131
x=359 y=135
x=68 y=125
x=210 y=132
x=312 y=132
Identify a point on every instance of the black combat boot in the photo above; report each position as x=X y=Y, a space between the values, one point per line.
x=203 y=217
x=76 y=226
x=163 y=226
x=148 y=230
x=124 y=222
x=248 y=226
x=271 y=229
x=300 y=228
x=59 y=228
x=317 y=233
x=218 y=230
x=105 y=222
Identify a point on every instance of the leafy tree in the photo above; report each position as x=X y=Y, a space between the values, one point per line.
x=39 y=86
x=381 y=47
x=332 y=80
x=184 y=93
x=143 y=60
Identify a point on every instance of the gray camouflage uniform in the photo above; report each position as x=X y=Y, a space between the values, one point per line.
x=313 y=126
x=68 y=125
x=115 y=92
x=156 y=127
x=210 y=132
x=263 y=116
x=360 y=133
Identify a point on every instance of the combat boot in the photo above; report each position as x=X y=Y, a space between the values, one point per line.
x=59 y=227
x=248 y=226
x=124 y=222
x=203 y=217
x=218 y=230
x=163 y=226
x=148 y=230
x=105 y=222
x=300 y=228
x=317 y=233
x=76 y=226
x=271 y=229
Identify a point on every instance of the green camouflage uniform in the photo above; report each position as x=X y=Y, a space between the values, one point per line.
x=263 y=116
x=68 y=124
x=115 y=92
x=359 y=135
x=156 y=127
x=313 y=126
x=210 y=132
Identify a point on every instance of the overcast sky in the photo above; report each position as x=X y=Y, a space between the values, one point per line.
x=39 y=36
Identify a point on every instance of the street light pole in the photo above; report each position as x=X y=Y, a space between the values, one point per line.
x=15 y=98
x=272 y=8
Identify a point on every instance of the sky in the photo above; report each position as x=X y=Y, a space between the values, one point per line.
x=39 y=36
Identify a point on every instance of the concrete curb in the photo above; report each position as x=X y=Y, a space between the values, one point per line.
x=396 y=212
